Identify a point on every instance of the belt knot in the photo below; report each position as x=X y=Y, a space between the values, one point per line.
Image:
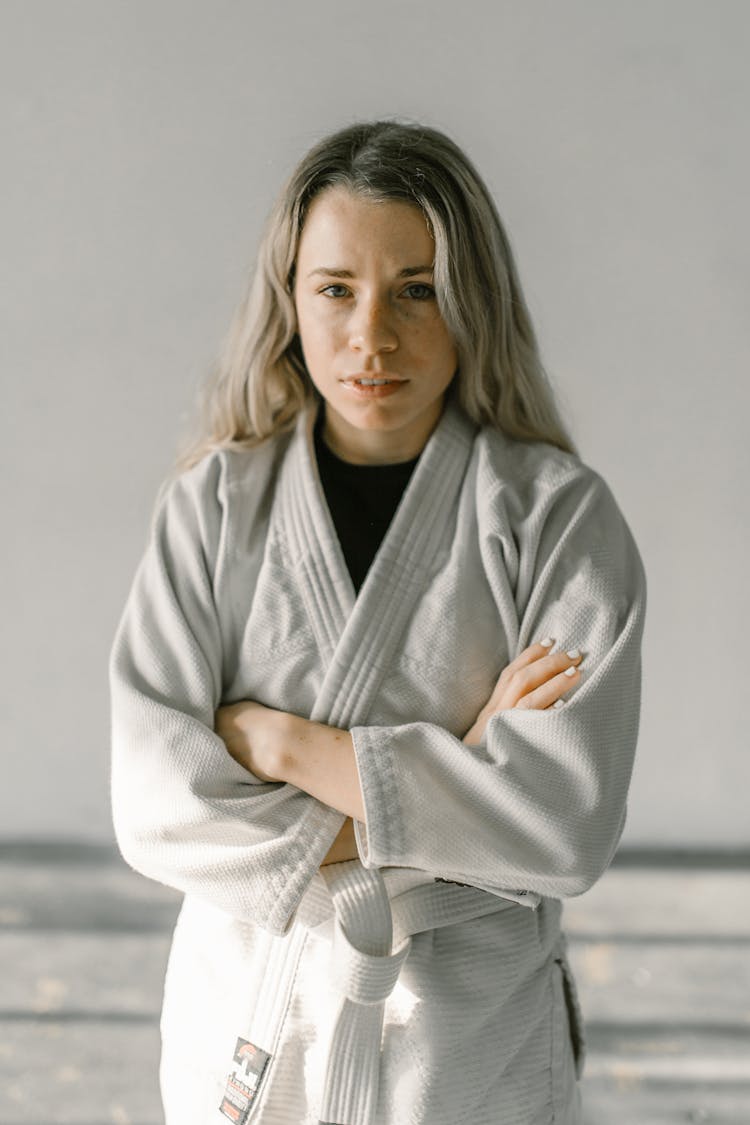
x=363 y=977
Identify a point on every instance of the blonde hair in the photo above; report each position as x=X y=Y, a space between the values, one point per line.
x=260 y=382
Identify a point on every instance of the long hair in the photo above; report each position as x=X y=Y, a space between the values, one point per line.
x=260 y=382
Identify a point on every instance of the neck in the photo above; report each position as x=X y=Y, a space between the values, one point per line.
x=375 y=446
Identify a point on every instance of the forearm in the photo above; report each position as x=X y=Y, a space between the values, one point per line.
x=320 y=760
x=278 y=746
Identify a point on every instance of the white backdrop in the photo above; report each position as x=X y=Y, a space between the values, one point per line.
x=143 y=145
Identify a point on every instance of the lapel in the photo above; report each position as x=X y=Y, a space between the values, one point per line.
x=358 y=635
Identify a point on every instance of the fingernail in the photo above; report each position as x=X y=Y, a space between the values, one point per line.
x=546 y=642
x=573 y=653
x=558 y=703
x=570 y=671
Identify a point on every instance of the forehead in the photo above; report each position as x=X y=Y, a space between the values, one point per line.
x=341 y=221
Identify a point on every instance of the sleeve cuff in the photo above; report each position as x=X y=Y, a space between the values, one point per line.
x=380 y=839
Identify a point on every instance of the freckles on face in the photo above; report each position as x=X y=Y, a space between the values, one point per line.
x=367 y=309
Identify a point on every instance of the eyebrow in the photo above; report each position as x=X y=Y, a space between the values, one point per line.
x=331 y=271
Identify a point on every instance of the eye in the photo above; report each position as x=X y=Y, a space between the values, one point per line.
x=428 y=291
x=329 y=287
x=424 y=292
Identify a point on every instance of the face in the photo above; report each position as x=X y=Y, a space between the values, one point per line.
x=373 y=339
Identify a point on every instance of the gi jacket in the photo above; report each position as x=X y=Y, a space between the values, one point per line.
x=243 y=593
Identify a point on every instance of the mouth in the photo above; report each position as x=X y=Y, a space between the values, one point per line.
x=374 y=380
x=372 y=386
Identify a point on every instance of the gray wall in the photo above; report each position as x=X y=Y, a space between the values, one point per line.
x=143 y=145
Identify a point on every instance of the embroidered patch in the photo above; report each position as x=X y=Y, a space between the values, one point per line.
x=243 y=1081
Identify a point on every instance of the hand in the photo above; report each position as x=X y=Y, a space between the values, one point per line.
x=535 y=680
x=250 y=733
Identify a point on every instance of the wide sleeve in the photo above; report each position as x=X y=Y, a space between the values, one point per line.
x=184 y=812
x=540 y=804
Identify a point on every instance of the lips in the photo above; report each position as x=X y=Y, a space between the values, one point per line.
x=372 y=379
x=368 y=385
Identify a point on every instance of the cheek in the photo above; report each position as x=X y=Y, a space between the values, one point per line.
x=433 y=340
x=316 y=334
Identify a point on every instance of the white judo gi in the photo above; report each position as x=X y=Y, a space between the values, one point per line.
x=426 y=982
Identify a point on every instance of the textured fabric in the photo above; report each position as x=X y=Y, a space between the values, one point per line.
x=243 y=592
x=476 y=1029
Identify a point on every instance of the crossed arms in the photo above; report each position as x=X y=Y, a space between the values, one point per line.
x=320 y=760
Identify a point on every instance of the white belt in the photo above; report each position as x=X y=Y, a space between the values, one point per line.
x=371 y=935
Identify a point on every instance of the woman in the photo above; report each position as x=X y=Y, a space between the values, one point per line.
x=375 y=690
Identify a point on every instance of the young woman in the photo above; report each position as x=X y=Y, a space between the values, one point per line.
x=376 y=687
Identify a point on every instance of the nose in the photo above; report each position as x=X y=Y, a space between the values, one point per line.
x=371 y=330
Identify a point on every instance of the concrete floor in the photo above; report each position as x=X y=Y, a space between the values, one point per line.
x=661 y=951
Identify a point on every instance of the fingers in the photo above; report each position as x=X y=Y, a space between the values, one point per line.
x=499 y=697
x=536 y=679
x=542 y=670
x=528 y=656
x=550 y=693
x=532 y=668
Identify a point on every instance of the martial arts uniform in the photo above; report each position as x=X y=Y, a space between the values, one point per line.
x=427 y=982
